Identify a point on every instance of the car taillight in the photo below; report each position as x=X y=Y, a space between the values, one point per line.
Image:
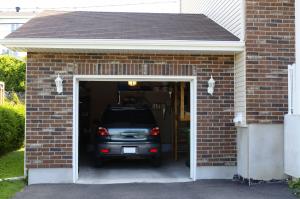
x=153 y=150
x=154 y=131
x=103 y=132
x=104 y=150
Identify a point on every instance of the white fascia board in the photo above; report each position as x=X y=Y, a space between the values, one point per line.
x=14 y=14
x=124 y=44
x=14 y=20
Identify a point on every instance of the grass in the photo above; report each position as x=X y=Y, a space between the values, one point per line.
x=294 y=185
x=9 y=188
x=12 y=164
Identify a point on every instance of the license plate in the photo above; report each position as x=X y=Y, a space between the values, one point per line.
x=129 y=150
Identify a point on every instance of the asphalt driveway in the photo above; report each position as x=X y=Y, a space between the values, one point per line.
x=212 y=189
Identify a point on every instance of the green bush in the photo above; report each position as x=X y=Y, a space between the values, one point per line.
x=12 y=72
x=295 y=186
x=12 y=126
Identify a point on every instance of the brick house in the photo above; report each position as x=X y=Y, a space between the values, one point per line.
x=246 y=46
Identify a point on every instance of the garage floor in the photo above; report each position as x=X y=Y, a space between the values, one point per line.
x=129 y=171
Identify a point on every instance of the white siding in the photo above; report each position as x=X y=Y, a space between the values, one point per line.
x=240 y=86
x=9 y=24
x=5 y=29
x=190 y=6
x=231 y=15
x=227 y=13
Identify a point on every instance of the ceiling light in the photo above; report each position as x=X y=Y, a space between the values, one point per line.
x=132 y=83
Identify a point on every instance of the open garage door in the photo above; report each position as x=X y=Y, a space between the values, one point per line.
x=129 y=113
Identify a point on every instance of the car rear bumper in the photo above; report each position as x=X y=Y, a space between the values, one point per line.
x=117 y=149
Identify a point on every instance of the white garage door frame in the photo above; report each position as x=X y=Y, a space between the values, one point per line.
x=141 y=78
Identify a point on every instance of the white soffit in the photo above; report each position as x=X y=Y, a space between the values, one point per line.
x=121 y=45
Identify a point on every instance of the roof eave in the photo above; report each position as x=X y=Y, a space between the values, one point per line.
x=103 y=45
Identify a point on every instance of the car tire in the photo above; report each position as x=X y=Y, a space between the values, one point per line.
x=156 y=162
x=99 y=163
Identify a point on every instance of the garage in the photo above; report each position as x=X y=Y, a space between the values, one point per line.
x=70 y=69
x=169 y=101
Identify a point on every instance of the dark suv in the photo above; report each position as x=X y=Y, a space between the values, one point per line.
x=128 y=132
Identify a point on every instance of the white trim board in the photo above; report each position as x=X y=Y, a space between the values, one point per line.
x=122 y=45
x=193 y=102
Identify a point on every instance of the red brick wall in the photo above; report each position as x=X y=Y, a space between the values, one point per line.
x=216 y=132
x=269 y=49
x=49 y=116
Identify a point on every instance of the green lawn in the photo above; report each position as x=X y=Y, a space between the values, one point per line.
x=9 y=189
x=11 y=165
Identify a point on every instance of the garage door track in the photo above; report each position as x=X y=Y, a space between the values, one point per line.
x=213 y=189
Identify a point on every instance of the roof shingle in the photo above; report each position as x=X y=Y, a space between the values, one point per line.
x=112 y=25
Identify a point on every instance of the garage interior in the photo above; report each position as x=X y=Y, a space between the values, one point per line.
x=170 y=104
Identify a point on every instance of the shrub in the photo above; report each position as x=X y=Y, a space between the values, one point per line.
x=12 y=72
x=12 y=126
x=295 y=186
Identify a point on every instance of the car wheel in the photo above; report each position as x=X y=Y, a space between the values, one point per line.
x=99 y=162
x=156 y=162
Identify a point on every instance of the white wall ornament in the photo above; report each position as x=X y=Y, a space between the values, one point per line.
x=59 y=84
x=211 y=85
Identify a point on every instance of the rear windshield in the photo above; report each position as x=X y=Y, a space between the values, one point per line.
x=142 y=116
